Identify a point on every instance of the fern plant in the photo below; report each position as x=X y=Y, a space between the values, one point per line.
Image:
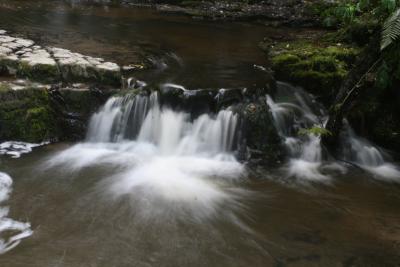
x=391 y=29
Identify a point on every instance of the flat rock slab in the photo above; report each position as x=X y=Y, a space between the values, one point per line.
x=23 y=58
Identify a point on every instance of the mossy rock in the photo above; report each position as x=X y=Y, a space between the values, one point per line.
x=4 y=87
x=27 y=116
x=39 y=72
x=8 y=65
x=260 y=133
x=320 y=69
x=109 y=77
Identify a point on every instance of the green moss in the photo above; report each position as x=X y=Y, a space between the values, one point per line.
x=286 y=58
x=39 y=72
x=319 y=68
x=26 y=115
x=8 y=65
x=4 y=87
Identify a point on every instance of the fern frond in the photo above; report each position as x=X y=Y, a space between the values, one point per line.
x=391 y=29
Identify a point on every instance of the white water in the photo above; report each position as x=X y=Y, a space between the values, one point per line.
x=15 y=148
x=161 y=157
x=368 y=157
x=11 y=231
x=290 y=117
x=300 y=111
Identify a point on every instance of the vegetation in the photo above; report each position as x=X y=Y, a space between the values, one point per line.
x=315 y=130
x=26 y=114
x=319 y=67
x=370 y=91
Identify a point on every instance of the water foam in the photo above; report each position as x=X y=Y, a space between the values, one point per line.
x=306 y=162
x=304 y=150
x=15 y=148
x=368 y=156
x=15 y=230
x=160 y=157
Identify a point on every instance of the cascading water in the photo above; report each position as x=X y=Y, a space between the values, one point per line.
x=290 y=116
x=140 y=118
x=161 y=156
x=294 y=110
x=370 y=158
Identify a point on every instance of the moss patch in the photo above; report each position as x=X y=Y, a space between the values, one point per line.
x=4 y=87
x=26 y=115
x=320 y=69
x=39 y=72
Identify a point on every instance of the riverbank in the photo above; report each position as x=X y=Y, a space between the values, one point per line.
x=270 y=12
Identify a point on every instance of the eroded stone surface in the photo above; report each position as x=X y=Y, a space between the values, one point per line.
x=24 y=58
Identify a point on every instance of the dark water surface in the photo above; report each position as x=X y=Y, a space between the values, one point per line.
x=353 y=221
x=193 y=53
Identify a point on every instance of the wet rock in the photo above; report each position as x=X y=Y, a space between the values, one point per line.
x=318 y=68
x=227 y=97
x=21 y=57
x=199 y=101
x=37 y=65
x=172 y=96
x=33 y=112
x=261 y=138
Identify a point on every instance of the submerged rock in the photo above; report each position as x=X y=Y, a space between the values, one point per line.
x=21 y=57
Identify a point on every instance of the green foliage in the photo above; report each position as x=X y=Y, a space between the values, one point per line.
x=315 y=130
x=391 y=29
x=4 y=87
x=347 y=12
x=319 y=69
x=388 y=5
x=383 y=79
x=26 y=115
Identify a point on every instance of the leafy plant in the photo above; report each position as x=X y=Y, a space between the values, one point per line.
x=383 y=79
x=346 y=12
x=391 y=29
x=315 y=130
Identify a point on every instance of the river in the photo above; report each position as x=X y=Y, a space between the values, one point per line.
x=170 y=192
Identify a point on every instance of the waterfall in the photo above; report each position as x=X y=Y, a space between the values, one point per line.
x=120 y=118
x=299 y=111
x=161 y=156
x=142 y=119
x=369 y=157
x=294 y=110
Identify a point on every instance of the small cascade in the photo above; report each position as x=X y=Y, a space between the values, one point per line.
x=297 y=111
x=18 y=230
x=161 y=156
x=133 y=83
x=120 y=118
x=142 y=119
x=371 y=158
x=294 y=110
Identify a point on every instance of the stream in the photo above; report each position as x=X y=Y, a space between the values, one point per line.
x=154 y=186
